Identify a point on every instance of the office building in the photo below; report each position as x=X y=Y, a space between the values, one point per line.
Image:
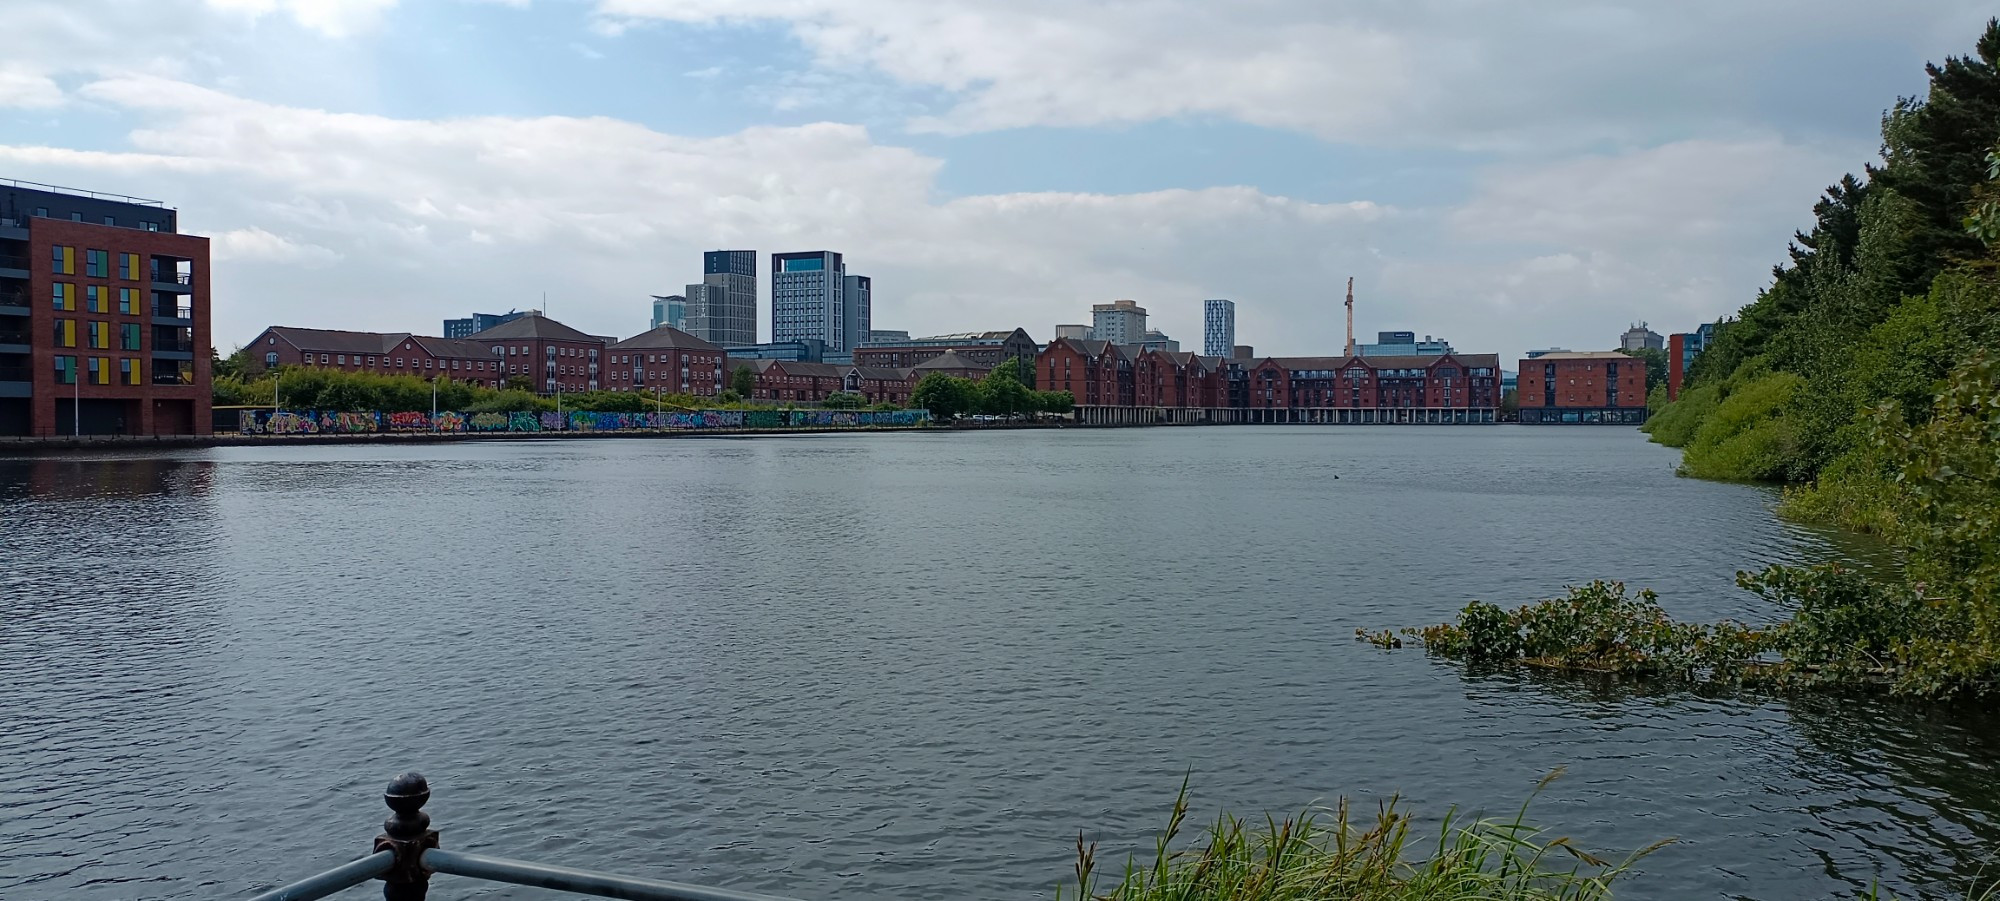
x=670 y=310
x=1074 y=332
x=1682 y=349
x=1218 y=327
x=1119 y=322
x=809 y=299
x=477 y=322
x=724 y=309
x=887 y=336
x=1403 y=344
x=104 y=316
x=1639 y=337
x=1594 y=387
x=811 y=351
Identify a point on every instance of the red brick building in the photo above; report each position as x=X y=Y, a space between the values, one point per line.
x=955 y=364
x=985 y=348
x=1595 y=387
x=666 y=360
x=554 y=355
x=789 y=381
x=104 y=316
x=392 y=353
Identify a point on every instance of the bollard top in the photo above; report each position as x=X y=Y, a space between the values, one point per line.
x=405 y=796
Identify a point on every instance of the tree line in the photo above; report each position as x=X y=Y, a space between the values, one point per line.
x=1008 y=390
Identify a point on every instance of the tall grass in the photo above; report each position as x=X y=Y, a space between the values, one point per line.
x=1323 y=855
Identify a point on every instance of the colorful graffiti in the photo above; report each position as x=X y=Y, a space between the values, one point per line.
x=287 y=422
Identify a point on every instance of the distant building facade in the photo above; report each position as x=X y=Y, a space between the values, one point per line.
x=389 y=353
x=477 y=322
x=1218 y=327
x=1639 y=337
x=1404 y=344
x=1118 y=322
x=858 y=308
x=807 y=351
x=670 y=310
x=1538 y=354
x=665 y=360
x=1593 y=387
x=1682 y=349
x=808 y=298
x=1154 y=339
x=986 y=348
x=724 y=311
x=553 y=356
x=886 y=336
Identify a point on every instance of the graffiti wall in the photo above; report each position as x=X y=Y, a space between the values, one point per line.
x=306 y=422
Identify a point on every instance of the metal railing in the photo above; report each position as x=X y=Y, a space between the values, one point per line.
x=169 y=311
x=101 y=195
x=13 y=261
x=406 y=854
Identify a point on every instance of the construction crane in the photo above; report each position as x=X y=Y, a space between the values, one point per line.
x=1350 y=315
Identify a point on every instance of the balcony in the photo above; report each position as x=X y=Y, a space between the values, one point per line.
x=173 y=314
x=16 y=382
x=13 y=266
x=14 y=303
x=13 y=341
x=173 y=282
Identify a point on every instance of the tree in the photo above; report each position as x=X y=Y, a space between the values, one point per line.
x=233 y=365
x=1656 y=365
x=1002 y=394
x=517 y=383
x=1054 y=401
x=744 y=381
x=945 y=396
x=1510 y=404
x=843 y=400
x=1020 y=369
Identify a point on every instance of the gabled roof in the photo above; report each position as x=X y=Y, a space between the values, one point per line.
x=330 y=341
x=536 y=325
x=665 y=337
x=950 y=359
x=813 y=370
x=462 y=348
x=972 y=336
x=888 y=373
x=1582 y=355
x=758 y=366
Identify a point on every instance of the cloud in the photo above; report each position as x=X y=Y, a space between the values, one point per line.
x=255 y=245
x=1376 y=72
x=333 y=18
x=435 y=218
x=28 y=90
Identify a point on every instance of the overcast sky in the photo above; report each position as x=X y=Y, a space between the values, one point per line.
x=1506 y=175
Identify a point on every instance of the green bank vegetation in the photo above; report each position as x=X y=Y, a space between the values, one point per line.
x=312 y=388
x=1864 y=379
x=1007 y=390
x=1339 y=853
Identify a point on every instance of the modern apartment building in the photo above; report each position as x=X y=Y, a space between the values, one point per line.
x=104 y=316
x=1682 y=349
x=1592 y=387
x=1119 y=322
x=670 y=310
x=809 y=299
x=1218 y=327
x=1077 y=332
x=1404 y=344
x=722 y=310
x=477 y=322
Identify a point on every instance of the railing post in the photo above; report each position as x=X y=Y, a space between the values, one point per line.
x=407 y=832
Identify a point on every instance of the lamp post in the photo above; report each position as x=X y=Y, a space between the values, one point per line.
x=434 y=399
x=76 y=410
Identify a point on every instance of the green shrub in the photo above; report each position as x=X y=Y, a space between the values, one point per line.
x=1747 y=437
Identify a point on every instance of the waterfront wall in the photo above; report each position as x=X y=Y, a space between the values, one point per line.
x=323 y=422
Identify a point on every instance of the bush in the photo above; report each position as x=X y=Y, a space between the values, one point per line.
x=1747 y=437
x=1675 y=424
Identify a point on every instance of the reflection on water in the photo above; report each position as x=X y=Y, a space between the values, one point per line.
x=902 y=665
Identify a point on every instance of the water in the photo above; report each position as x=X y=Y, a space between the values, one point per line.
x=898 y=666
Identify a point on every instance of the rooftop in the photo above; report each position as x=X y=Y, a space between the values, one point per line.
x=663 y=338
x=1586 y=355
x=536 y=325
x=79 y=192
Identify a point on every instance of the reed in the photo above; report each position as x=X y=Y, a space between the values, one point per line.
x=1324 y=854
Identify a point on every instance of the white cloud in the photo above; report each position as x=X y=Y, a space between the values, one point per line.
x=1380 y=72
x=430 y=219
x=334 y=18
x=28 y=90
x=255 y=245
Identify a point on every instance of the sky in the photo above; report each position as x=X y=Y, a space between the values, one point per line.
x=1503 y=175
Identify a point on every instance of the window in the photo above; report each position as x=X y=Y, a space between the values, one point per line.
x=110 y=221
x=65 y=333
x=96 y=299
x=430 y=364
x=76 y=217
x=128 y=373
x=42 y=211
x=128 y=302
x=271 y=358
x=341 y=359
x=454 y=364
x=65 y=370
x=97 y=263
x=100 y=334
x=322 y=358
x=100 y=371
x=150 y=226
x=399 y=362
x=63 y=260
x=128 y=266
x=65 y=296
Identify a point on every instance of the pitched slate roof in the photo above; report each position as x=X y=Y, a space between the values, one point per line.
x=889 y=373
x=536 y=325
x=665 y=337
x=319 y=340
x=462 y=348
